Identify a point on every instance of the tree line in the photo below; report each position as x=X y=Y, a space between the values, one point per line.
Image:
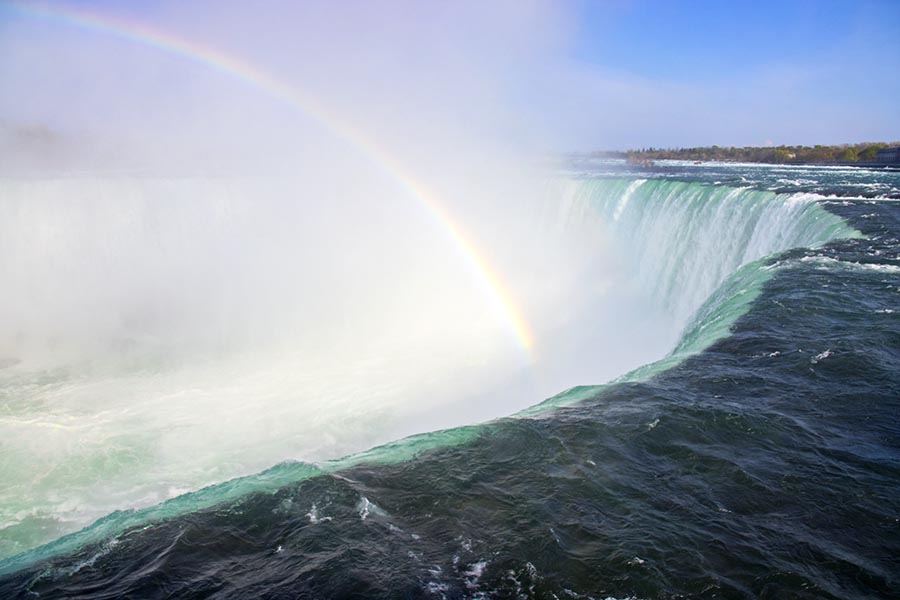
x=844 y=153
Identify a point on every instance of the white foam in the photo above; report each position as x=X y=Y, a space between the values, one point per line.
x=821 y=356
x=366 y=507
x=314 y=518
x=827 y=261
x=474 y=573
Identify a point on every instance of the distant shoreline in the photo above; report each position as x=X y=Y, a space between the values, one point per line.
x=863 y=155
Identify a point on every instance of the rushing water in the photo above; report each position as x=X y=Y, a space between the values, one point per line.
x=759 y=458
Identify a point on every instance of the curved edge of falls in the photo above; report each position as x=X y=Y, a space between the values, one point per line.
x=672 y=226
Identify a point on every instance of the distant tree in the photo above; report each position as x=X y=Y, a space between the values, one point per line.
x=781 y=155
x=870 y=153
x=866 y=152
x=847 y=155
x=821 y=154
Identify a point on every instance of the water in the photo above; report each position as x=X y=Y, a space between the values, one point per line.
x=758 y=458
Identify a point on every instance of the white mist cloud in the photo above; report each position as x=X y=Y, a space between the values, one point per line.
x=307 y=234
x=403 y=72
x=229 y=282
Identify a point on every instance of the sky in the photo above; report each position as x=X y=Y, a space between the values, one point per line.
x=540 y=75
x=735 y=73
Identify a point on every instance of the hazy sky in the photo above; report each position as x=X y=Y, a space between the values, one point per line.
x=546 y=75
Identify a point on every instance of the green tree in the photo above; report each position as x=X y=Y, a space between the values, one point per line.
x=870 y=154
x=848 y=155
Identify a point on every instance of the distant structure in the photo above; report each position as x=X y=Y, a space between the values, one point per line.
x=889 y=155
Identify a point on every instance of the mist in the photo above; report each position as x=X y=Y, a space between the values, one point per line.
x=203 y=279
x=160 y=207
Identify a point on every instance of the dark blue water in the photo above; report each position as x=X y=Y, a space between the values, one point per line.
x=766 y=466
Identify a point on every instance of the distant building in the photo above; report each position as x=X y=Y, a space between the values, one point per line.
x=889 y=155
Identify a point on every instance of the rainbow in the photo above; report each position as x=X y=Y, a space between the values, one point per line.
x=236 y=68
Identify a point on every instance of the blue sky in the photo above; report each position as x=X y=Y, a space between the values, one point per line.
x=750 y=73
x=579 y=75
x=697 y=41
